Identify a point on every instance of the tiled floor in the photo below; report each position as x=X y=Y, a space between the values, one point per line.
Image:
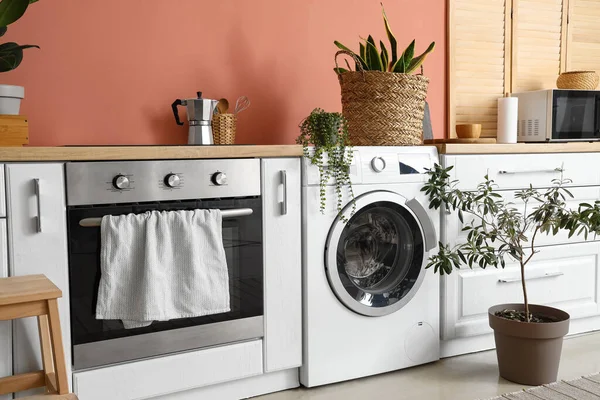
x=469 y=377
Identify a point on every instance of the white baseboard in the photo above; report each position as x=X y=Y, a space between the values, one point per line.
x=457 y=347
x=241 y=389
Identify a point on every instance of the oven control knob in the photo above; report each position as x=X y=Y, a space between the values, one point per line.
x=121 y=182
x=172 y=180
x=219 y=178
x=378 y=164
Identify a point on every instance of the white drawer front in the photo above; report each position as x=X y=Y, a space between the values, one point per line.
x=455 y=235
x=517 y=171
x=165 y=375
x=566 y=277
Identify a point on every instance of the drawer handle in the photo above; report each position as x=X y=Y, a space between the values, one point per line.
x=548 y=275
x=38 y=195
x=537 y=171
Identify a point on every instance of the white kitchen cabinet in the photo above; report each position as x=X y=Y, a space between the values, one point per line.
x=37 y=243
x=5 y=326
x=282 y=263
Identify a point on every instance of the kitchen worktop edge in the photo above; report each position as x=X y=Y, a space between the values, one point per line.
x=519 y=148
x=114 y=153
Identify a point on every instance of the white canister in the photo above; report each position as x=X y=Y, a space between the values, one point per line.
x=10 y=99
x=508 y=120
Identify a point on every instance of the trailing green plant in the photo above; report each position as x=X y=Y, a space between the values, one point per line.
x=326 y=134
x=372 y=58
x=11 y=53
x=498 y=229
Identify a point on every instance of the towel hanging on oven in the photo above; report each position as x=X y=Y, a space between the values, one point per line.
x=164 y=265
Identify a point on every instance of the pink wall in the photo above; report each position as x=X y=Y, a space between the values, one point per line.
x=108 y=70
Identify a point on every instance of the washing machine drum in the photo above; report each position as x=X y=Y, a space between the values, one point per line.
x=375 y=261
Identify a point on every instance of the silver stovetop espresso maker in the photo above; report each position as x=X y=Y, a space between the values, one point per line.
x=199 y=114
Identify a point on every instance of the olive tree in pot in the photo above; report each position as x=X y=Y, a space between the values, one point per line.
x=324 y=137
x=528 y=337
x=11 y=55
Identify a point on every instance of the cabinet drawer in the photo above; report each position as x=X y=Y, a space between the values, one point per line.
x=165 y=375
x=566 y=277
x=455 y=235
x=518 y=171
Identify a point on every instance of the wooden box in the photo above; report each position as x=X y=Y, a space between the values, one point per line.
x=14 y=130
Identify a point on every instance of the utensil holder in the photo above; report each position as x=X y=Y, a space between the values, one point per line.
x=223 y=126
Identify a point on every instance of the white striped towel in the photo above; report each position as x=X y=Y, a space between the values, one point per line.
x=164 y=265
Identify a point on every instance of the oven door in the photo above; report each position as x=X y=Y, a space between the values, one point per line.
x=101 y=342
x=575 y=115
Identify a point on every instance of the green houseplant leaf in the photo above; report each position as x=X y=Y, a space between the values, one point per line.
x=12 y=10
x=385 y=58
x=374 y=59
x=11 y=55
x=360 y=57
x=391 y=37
x=417 y=61
x=405 y=59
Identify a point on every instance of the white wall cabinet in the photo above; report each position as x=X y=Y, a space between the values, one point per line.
x=5 y=326
x=282 y=263
x=37 y=242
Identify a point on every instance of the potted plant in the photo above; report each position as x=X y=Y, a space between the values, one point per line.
x=528 y=337
x=325 y=134
x=11 y=55
x=382 y=99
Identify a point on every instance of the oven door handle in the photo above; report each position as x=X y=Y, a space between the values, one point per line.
x=233 y=213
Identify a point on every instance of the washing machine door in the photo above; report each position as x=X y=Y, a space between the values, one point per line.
x=375 y=261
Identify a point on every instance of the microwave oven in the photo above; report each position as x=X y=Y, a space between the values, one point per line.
x=557 y=115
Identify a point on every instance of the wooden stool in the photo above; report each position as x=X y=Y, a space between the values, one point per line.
x=30 y=296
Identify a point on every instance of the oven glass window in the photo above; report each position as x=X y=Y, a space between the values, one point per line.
x=242 y=240
x=575 y=115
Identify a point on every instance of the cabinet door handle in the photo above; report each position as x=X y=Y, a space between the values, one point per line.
x=548 y=275
x=283 y=204
x=537 y=171
x=38 y=218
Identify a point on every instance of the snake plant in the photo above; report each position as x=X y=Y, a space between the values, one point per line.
x=11 y=53
x=372 y=58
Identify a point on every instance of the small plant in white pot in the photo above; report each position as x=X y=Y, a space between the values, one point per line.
x=11 y=55
x=528 y=337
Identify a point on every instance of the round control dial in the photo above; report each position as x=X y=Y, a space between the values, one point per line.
x=219 y=178
x=172 y=180
x=121 y=182
x=378 y=164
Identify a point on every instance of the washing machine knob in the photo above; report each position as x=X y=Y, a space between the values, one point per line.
x=378 y=164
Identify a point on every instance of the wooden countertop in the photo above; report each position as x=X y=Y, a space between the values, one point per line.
x=519 y=148
x=105 y=153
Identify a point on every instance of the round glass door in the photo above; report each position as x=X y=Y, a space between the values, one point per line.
x=374 y=261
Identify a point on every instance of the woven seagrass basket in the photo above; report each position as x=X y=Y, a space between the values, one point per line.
x=223 y=127
x=578 y=80
x=383 y=108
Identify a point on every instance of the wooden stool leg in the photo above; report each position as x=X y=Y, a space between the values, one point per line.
x=62 y=384
x=47 y=356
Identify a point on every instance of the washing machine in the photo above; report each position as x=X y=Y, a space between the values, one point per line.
x=369 y=304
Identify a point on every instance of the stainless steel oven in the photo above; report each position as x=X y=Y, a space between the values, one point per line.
x=95 y=189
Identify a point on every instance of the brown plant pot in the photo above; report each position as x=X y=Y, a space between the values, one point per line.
x=529 y=353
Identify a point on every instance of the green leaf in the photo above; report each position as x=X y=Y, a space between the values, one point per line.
x=373 y=59
x=385 y=58
x=339 y=70
x=360 y=57
x=11 y=55
x=417 y=61
x=363 y=51
x=408 y=54
x=391 y=37
x=3 y=30
x=12 y=10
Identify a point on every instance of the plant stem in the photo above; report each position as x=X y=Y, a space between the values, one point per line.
x=525 y=291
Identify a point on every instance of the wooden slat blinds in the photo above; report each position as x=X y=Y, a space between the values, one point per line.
x=479 y=53
x=537 y=35
x=583 y=43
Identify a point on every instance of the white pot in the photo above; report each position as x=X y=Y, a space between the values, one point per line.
x=10 y=99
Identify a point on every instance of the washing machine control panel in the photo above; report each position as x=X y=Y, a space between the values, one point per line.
x=393 y=165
